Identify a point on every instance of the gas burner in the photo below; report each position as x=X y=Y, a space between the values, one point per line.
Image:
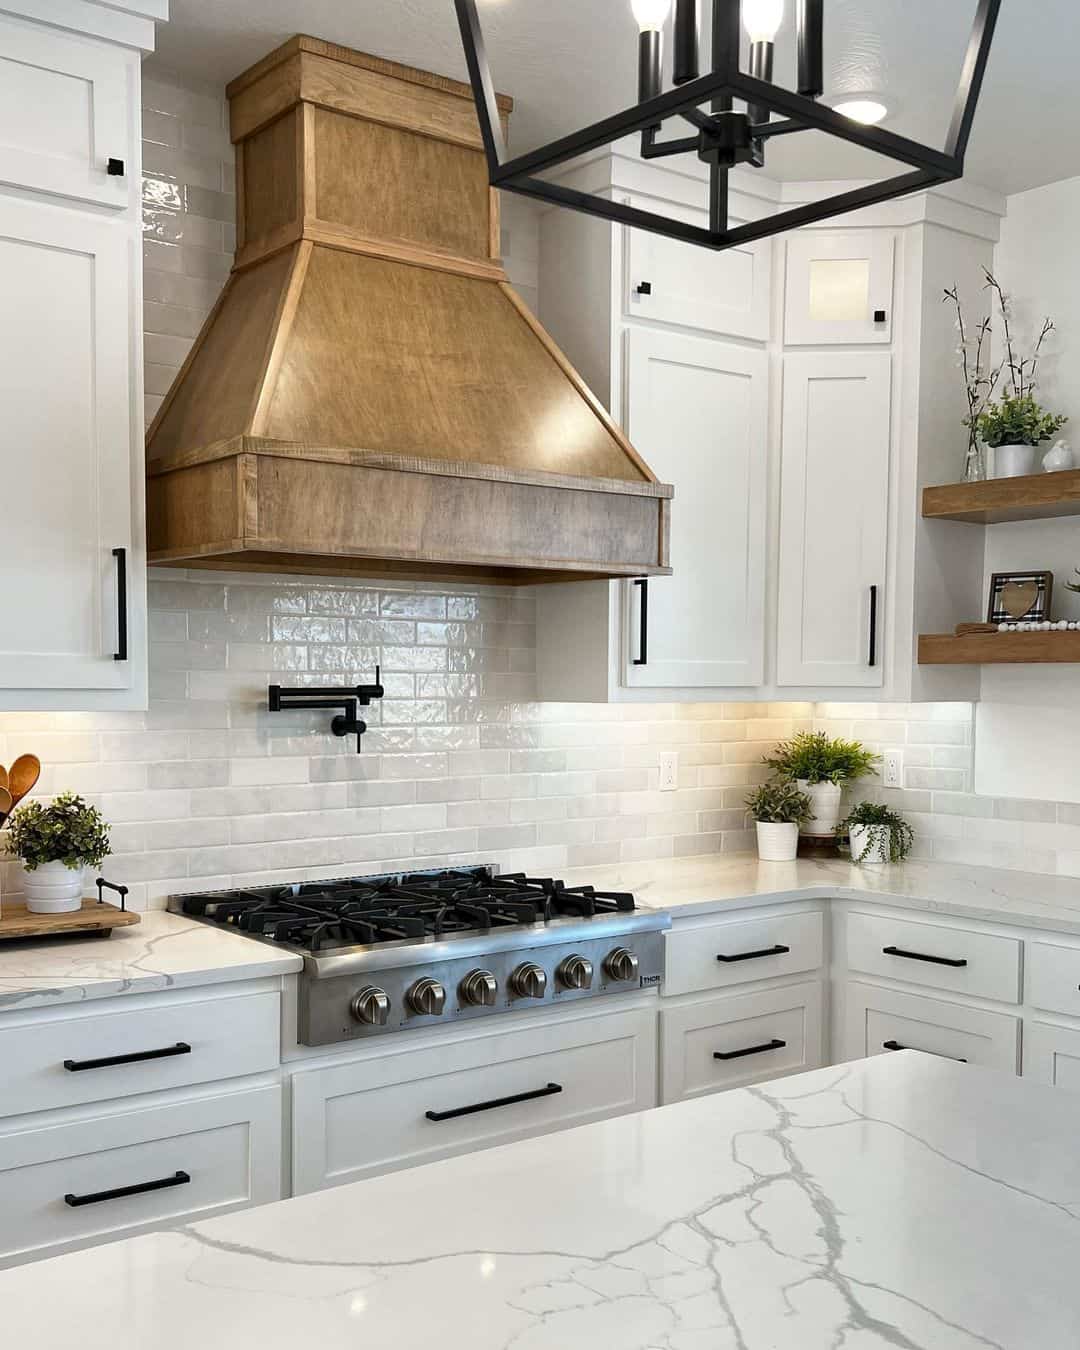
x=367 y=911
x=413 y=949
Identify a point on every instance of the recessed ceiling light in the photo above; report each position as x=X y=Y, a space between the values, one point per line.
x=865 y=110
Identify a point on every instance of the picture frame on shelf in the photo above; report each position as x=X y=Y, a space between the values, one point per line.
x=1016 y=596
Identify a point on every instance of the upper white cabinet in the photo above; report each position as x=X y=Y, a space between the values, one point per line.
x=834 y=496
x=670 y=282
x=698 y=412
x=839 y=287
x=65 y=388
x=73 y=569
x=66 y=122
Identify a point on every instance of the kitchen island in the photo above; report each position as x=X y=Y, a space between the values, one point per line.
x=903 y=1201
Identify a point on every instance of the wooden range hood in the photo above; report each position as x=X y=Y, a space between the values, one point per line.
x=369 y=396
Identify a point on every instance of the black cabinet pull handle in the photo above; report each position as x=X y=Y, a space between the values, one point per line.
x=880 y=316
x=549 y=1091
x=114 y=167
x=644 y=288
x=121 y=653
x=921 y=956
x=78 y=1065
x=119 y=1192
x=895 y=1045
x=750 y=1050
x=871 y=659
x=778 y=950
x=642 y=658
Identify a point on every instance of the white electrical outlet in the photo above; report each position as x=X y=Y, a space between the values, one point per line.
x=893 y=771
x=669 y=770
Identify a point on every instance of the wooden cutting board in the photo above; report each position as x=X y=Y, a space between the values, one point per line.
x=93 y=919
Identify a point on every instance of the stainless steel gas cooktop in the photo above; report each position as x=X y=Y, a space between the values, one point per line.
x=389 y=952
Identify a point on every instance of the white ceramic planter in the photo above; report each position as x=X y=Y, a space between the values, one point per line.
x=777 y=841
x=1014 y=461
x=877 y=855
x=825 y=801
x=52 y=888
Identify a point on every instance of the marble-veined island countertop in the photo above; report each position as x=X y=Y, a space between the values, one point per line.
x=163 y=951
x=904 y=1201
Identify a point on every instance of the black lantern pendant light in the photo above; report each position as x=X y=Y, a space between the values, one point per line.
x=722 y=135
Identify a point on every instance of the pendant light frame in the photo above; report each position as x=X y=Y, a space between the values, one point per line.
x=723 y=137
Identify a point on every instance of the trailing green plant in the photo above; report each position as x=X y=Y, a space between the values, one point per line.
x=887 y=832
x=1018 y=420
x=779 y=802
x=68 y=830
x=814 y=757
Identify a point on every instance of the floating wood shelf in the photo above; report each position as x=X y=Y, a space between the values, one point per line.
x=1038 y=496
x=973 y=649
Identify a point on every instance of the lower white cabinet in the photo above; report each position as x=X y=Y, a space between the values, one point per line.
x=1053 y=977
x=408 y=1106
x=164 y=1041
x=110 y=1175
x=715 y=955
x=1052 y=1054
x=718 y=1043
x=878 y=1020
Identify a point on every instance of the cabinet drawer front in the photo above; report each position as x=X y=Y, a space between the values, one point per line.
x=372 y=1115
x=1052 y=1055
x=878 y=1021
x=1053 y=977
x=57 y=1185
x=59 y=1063
x=65 y=106
x=959 y=959
x=753 y=949
x=724 y=1042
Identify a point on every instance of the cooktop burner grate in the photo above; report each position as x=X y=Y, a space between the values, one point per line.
x=366 y=911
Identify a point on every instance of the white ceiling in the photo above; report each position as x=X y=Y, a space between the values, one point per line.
x=569 y=61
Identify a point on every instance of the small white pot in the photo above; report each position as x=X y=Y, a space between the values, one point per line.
x=52 y=888
x=877 y=855
x=1015 y=461
x=777 y=841
x=825 y=802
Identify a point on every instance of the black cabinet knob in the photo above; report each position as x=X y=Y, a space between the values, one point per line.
x=879 y=316
x=115 y=168
x=644 y=288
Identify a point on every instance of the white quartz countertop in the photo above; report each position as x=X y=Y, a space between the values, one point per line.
x=163 y=951
x=716 y=882
x=903 y=1201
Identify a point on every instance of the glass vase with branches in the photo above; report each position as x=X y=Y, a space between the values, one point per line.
x=980 y=379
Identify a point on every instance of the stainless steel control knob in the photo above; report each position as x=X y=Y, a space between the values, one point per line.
x=575 y=972
x=620 y=965
x=478 y=989
x=371 y=1006
x=426 y=997
x=528 y=980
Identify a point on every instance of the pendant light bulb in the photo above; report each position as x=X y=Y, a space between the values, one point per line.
x=651 y=15
x=762 y=19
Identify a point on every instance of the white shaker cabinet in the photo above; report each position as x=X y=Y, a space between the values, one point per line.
x=65 y=104
x=698 y=413
x=839 y=287
x=72 y=635
x=834 y=496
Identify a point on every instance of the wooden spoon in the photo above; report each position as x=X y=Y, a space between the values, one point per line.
x=6 y=804
x=3 y=777
x=22 y=776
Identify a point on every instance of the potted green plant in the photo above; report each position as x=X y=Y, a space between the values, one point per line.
x=56 y=843
x=1016 y=424
x=1014 y=427
x=778 y=809
x=877 y=834
x=821 y=765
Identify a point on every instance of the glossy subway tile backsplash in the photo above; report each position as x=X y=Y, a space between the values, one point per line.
x=461 y=764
